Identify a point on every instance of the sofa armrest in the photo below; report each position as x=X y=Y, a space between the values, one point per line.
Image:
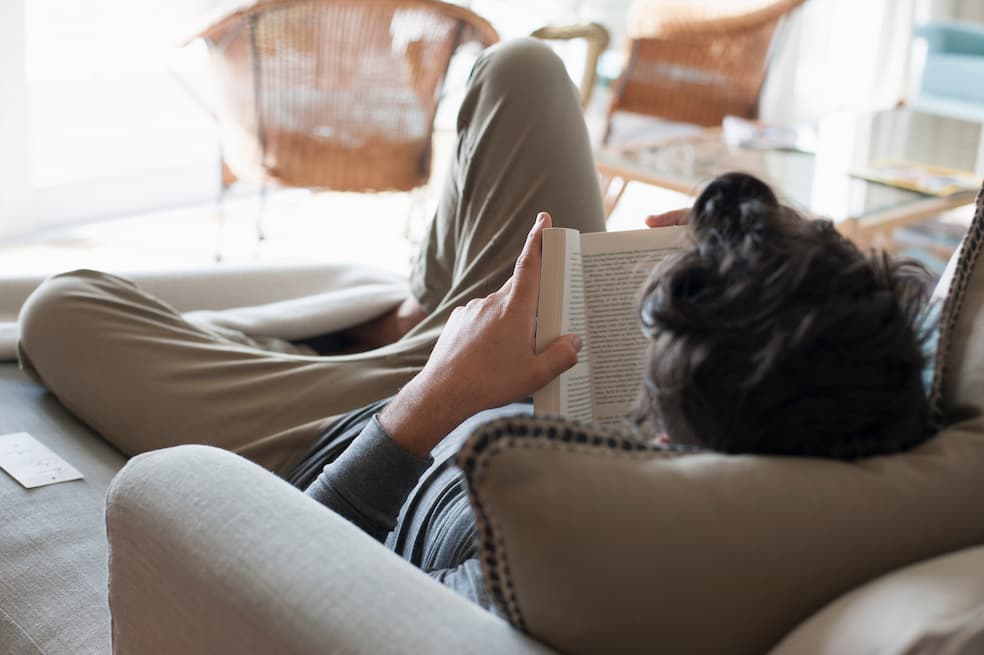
x=209 y=553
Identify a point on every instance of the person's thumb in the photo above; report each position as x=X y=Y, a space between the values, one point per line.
x=559 y=356
x=666 y=219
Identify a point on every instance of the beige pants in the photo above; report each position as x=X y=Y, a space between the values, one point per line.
x=133 y=369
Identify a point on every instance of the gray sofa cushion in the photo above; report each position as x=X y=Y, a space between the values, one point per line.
x=53 y=570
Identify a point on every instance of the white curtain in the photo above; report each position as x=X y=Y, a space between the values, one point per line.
x=836 y=55
x=92 y=123
x=16 y=216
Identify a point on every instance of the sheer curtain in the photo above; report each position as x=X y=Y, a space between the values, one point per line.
x=114 y=133
x=840 y=55
x=93 y=124
x=16 y=215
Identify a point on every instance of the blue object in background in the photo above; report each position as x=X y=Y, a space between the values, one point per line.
x=954 y=71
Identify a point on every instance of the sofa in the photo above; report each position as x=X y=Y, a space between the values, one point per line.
x=196 y=550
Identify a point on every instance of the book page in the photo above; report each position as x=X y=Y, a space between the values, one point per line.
x=575 y=391
x=561 y=311
x=615 y=267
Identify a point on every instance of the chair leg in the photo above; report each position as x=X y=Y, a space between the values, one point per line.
x=612 y=188
x=220 y=212
x=417 y=206
x=260 y=234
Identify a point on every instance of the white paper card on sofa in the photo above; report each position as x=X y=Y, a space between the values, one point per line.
x=33 y=464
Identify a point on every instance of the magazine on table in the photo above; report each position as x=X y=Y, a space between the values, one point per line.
x=922 y=178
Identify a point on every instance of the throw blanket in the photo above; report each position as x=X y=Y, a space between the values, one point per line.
x=286 y=301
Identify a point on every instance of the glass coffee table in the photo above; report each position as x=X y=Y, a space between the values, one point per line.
x=817 y=184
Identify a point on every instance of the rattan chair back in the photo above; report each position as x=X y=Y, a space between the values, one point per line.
x=334 y=94
x=685 y=65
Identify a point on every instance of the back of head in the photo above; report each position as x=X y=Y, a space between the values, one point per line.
x=775 y=334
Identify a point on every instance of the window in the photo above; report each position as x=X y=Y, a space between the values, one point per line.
x=112 y=129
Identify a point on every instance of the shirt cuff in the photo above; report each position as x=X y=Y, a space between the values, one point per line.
x=369 y=482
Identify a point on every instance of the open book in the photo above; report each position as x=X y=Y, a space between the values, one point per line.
x=590 y=285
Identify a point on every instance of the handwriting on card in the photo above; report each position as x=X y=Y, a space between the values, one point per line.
x=31 y=463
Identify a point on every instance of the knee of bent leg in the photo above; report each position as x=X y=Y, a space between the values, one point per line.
x=525 y=60
x=55 y=309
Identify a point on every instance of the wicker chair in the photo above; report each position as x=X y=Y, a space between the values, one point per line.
x=693 y=63
x=333 y=94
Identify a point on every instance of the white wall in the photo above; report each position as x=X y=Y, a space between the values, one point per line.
x=16 y=215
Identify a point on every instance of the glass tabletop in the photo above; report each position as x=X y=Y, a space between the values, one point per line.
x=820 y=183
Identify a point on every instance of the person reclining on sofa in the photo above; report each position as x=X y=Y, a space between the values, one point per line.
x=772 y=334
x=769 y=322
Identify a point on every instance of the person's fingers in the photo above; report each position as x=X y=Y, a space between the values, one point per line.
x=559 y=356
x=675 y=217
x=526 y=277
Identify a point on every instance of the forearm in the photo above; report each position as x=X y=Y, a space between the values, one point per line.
x=422 y=413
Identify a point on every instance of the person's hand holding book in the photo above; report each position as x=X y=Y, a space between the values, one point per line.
x=484 y=358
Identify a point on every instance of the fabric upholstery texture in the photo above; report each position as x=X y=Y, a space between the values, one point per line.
x=960 y=635
x=52 y=541
x=209 y=554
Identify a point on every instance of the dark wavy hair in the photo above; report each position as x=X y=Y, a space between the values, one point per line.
x=775 y=334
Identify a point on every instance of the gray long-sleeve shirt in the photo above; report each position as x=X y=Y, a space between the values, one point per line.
x=417 y=507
